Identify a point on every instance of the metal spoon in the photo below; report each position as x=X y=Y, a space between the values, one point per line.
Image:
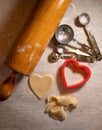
x=7 y=87
x=64 y=34
x=63 y=53
x=84 y=20
x=70 y=54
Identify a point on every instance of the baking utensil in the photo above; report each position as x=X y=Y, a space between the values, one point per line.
x=63 y=53
x=34 y=37
x=84 y=20
x=78 y=57
x=79 y=68
x=65 y=34
x=63 y=50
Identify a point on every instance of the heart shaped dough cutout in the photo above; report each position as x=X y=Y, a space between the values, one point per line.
x=40 y=85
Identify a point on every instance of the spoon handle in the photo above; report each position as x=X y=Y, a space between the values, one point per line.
x=94 y=44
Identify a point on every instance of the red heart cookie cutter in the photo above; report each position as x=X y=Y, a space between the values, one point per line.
x=72 y=62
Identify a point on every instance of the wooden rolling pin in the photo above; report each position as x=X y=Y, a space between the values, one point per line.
x=33 y=39
x=36 y=34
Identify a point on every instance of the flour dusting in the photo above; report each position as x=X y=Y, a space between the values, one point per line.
x=31 y=57
x=23 y=48
x=37 y=45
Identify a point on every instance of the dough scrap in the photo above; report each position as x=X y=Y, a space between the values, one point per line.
x=49 y=106
x=58 y=113
x=57 y=105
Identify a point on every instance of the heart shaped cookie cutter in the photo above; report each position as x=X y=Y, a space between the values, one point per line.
x=72 y=62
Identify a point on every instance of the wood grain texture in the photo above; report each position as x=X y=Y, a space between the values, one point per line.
x=35 y=35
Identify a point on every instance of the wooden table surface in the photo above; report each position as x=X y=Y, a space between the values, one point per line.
x=23 y=110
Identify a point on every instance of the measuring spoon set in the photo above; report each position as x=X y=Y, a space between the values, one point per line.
x=64 y=35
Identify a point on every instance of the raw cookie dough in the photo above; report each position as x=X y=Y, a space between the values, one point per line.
x=58 y=113
x=57 y=105
x=40 y=85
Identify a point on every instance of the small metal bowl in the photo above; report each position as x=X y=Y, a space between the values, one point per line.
x=64 y=34
x=61 y=49
x=84 y=19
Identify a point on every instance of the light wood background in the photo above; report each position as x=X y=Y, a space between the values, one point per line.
x=23 y=110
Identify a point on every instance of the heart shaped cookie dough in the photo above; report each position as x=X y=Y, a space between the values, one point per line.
x=40 y=85
x=75 y=65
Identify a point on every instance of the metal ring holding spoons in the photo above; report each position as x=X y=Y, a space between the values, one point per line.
x=54 y=57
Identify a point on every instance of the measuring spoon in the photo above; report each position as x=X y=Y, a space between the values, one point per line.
x=84 y=20
x=63 y=50
x=63 y=53
x=64 y=34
